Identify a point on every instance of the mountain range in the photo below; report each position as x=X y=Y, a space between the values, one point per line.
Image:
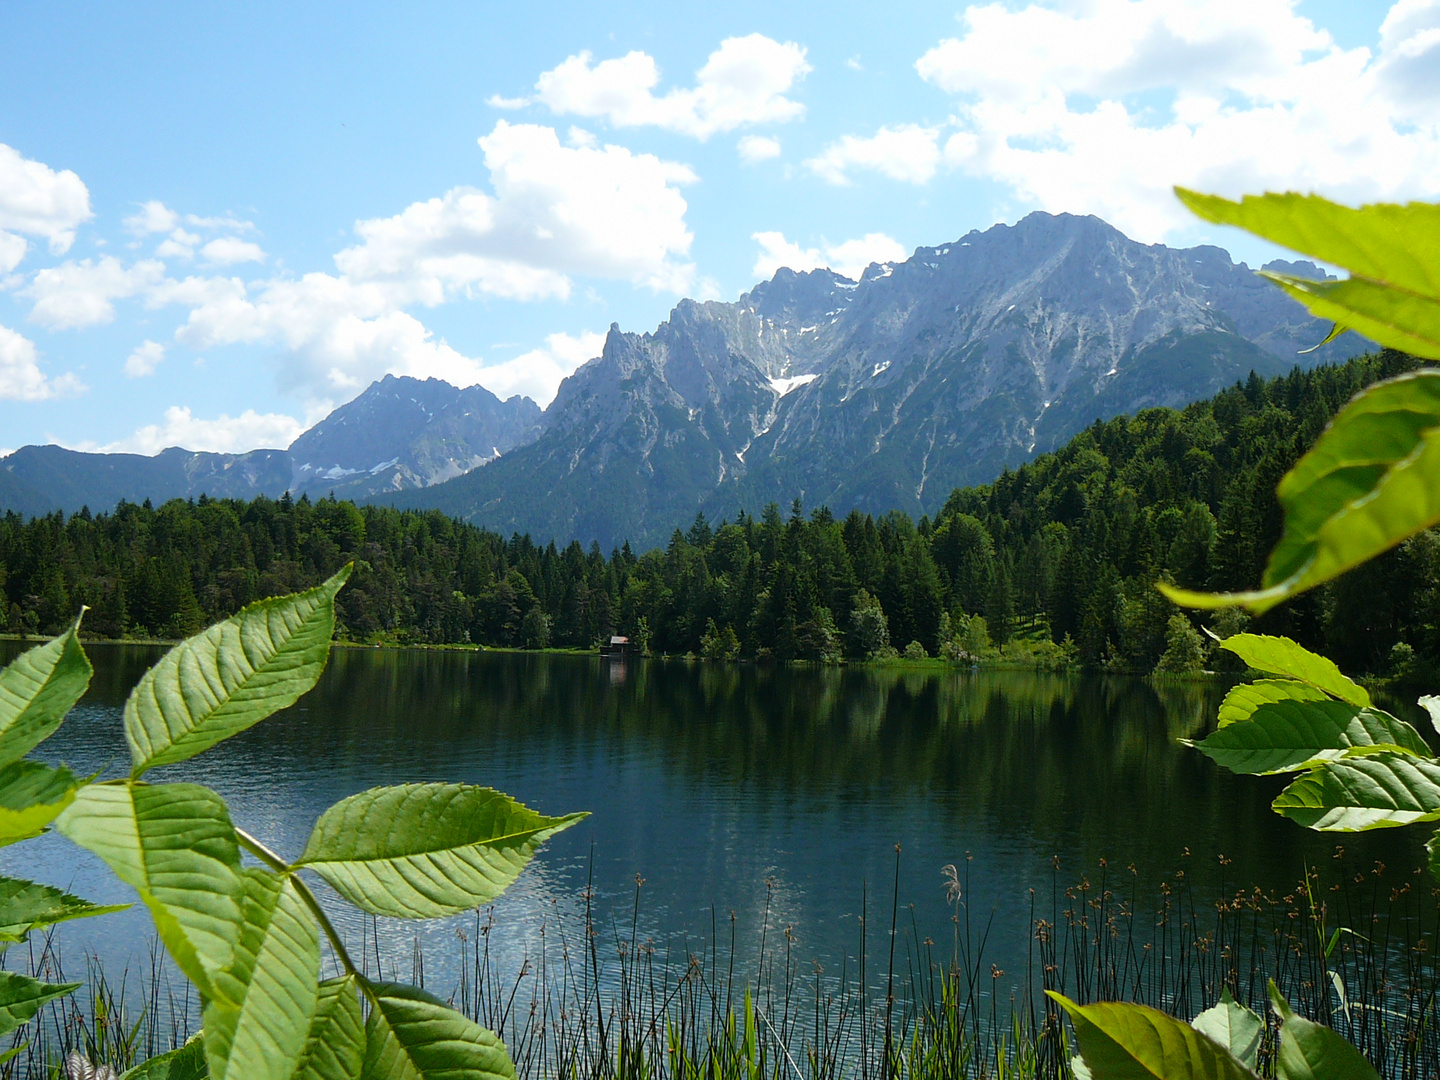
x=883 y=393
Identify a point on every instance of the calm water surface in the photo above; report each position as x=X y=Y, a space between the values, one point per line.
x=730 y=788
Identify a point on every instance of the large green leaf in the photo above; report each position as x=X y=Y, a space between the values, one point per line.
x=1281 y=656
x=1234 y=1027
x=257 y=1031
x=425 y=850
x=174 y=845
x=1120 y=1041
x=1367 y=484
x=1311 y=1051
x=1369 y=792
x=25 y=906
x=231 y=676
x=412 y=1035
x=1244 y=698
x=21 y=997
x=37 y=689
x=183 y=1063
x=31 y=796
x=1283 y=736
x=336 y=1047
x=1393 y=294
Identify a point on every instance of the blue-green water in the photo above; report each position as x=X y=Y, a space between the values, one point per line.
x=733 y=788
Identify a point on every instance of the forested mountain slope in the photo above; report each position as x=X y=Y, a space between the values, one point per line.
x=1071 y=542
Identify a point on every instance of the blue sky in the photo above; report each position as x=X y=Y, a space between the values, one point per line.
x=217 y=222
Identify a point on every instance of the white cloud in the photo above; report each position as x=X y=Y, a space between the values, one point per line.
x=905 y=152
x=38 y=201
x=538 y=373
x=178 y=245
x=496 y=101
x=1103 y=107
x=144 y=359
x=20 y=376
x=848 y=259
x=757 y=148
x=224 y=434
x=152 y=217
x=229 y=250
x=743 y=82
x=556 y=210
x=77 y=294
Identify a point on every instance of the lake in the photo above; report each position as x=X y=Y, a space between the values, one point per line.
x=736 y=790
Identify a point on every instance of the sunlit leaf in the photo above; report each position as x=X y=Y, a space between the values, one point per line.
x=1311 y=1051
x=1431 y=704
x=31 y=796
x=1358 y=793
x=1120 y=1041
x=1393 y=293
x=425 y=850
x=335 y=1049
x=174 y=845
x=37 y=689
x=1234 y=1027
x=1367 y=484
x=183 y=1063
x=412 y=1035
x=231 y=676
x=1281 y=656
x=21 y=997
x=257 y=1031
x=1284 y=736
x=1244 y=698
x=26 y=906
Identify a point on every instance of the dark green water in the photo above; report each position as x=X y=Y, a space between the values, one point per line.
x=732 y=787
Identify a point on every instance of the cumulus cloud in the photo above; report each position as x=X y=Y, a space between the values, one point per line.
x=20 y=376
x=224 y=434
x=743 y=82
x=757 y=148
x=229 y=250
x=557 y=210
x=77 y=294
x=848 y=259
x=152 y=217
x=144 y=359
x=1101 y=108
x=178 y=245
x=905 y=152
x=37 y=201
x=538 y=373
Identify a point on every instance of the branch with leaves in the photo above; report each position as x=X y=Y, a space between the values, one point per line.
x=248 y=937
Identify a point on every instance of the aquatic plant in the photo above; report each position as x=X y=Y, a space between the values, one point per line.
x=249 y=938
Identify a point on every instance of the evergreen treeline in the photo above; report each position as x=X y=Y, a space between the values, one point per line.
x=1064 y=549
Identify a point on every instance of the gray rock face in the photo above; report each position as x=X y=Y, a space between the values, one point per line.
x=409 y=433
x=888 y=392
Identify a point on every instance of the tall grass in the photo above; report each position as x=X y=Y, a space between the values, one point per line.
x=596 y=1000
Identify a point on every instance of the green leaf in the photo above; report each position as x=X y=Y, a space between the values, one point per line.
x=37 y=689
x=174 y=845
x=25 y=906
x=257 y=1031
x=1244 y=698
x=1432 y=848
x=336 y=1047
x=1281 y=656
x=231 y=676
x=1431 y=704
x=1358 y=793
x=31 y=796
x=1134 y=1042
x=1283 y=736
x=183 y=1063
x=1367 y=484
x=425 y=850
x=1234 y=1027
x=1311 y=1051
x=21 y=997
x=412 y=1035
x=1393 y=294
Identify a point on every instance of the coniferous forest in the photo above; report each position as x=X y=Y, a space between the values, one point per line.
x=1055 y=560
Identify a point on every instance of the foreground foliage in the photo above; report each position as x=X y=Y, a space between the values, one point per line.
x=249 y=937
